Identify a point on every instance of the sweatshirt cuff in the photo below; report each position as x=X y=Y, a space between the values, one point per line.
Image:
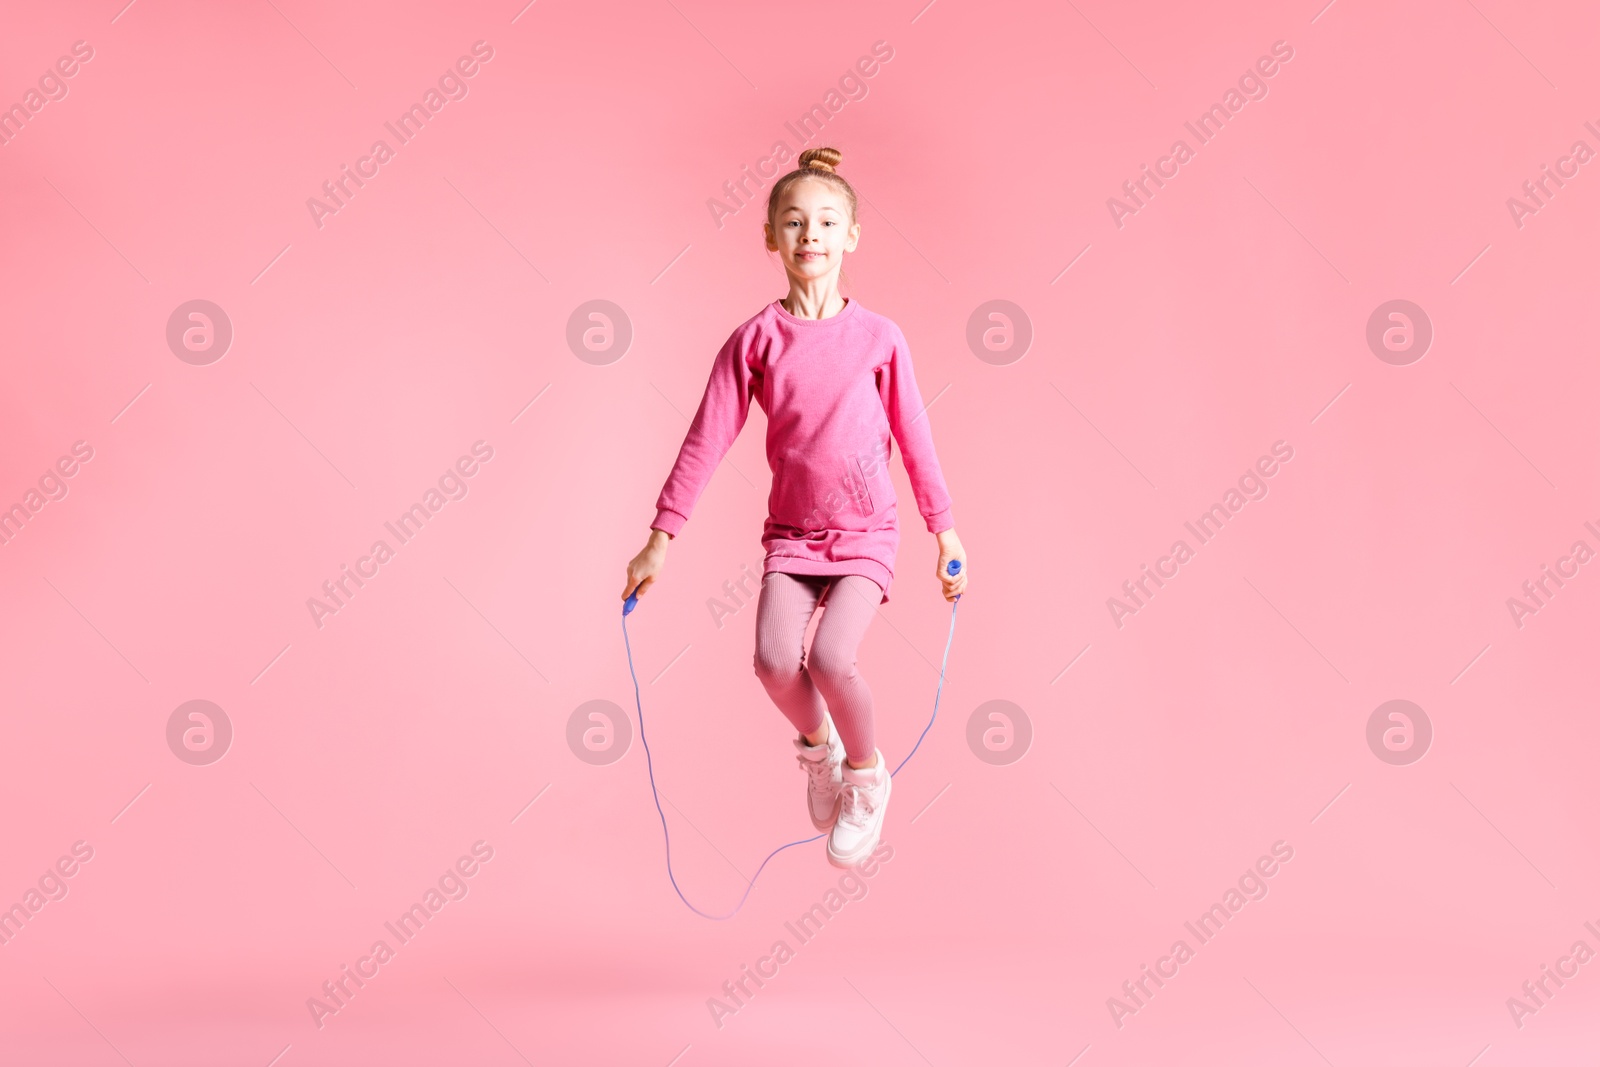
x=941 y=521
x=669 y=522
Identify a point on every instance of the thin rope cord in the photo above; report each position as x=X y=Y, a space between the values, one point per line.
x=650 y=766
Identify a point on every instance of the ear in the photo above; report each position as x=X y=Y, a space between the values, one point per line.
x=852 y=237
x=771 y=238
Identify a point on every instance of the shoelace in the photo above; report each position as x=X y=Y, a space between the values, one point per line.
x=857 y=807
x=821 y=771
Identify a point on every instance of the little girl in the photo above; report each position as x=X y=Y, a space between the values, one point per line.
x=833 y=379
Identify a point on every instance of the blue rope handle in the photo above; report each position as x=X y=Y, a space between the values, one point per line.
x=627 y=609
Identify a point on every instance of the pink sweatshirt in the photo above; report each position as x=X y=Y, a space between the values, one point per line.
x=832 y=389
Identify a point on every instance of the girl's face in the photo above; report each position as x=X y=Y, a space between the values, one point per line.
x=814 y=230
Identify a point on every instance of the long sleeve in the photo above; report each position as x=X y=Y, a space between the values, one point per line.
x=722 y=414
x=897 y=386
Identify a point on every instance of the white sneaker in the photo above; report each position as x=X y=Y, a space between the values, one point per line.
x=863 y=795
x=822 y=763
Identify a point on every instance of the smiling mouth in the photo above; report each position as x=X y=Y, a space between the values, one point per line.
x=811 y=255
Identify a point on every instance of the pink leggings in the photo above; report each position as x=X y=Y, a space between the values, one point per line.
x=799 y=688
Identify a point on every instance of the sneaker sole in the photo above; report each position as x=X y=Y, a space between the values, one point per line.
x=863 y=850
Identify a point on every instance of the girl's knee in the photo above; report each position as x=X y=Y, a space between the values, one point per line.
x=828 y=667
x=772 y=665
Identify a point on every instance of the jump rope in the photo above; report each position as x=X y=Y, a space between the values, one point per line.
x=627 y=608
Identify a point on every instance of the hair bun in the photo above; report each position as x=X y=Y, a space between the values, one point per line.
x=824 y=159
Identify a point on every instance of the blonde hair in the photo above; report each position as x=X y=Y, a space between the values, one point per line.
x=816 y=164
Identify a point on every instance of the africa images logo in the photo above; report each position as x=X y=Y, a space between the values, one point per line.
x=744 y=190
x=452 y=85
x=1252 y=85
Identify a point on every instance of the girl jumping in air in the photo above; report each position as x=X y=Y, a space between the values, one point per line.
x=834 y=379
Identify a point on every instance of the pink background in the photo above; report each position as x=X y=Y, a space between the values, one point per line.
x=369 y=354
